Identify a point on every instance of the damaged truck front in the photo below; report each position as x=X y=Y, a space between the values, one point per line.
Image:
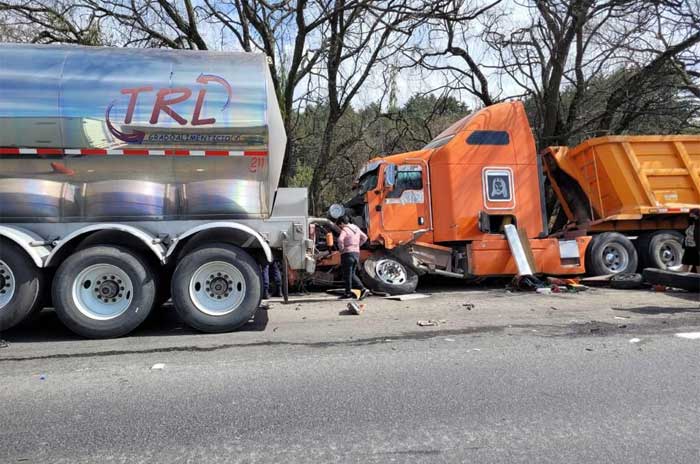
x=456 y=207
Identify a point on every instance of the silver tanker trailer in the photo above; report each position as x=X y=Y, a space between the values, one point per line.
x=124 y=170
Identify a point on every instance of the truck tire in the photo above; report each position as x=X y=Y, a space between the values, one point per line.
x=662 y=249
x=103 y=291
x=384 y=274
x=626 y=281
x=217 y=288
x=21 y=286
x=611 y=253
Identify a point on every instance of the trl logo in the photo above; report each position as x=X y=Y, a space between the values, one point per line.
x=163 y=100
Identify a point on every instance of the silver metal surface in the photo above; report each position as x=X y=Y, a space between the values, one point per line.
x=615 y=258
x=670 y=253
x=102 y=291
x=390 y=271
x=217 y=288
x=517 y=249
x=568 y=249
x=7 y=284
x=115 y=98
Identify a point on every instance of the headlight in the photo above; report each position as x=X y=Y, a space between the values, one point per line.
x=336 y=211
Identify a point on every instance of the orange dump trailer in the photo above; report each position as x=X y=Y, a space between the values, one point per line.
x=454 y=207
x=631 y=192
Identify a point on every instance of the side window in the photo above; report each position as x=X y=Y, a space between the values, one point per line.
x=488 y=137
x=407 y=180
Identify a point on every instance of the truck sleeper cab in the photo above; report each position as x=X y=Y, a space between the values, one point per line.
x=443 y=209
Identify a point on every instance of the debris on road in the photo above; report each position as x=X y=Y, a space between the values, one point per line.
x=356 y=308
x=3 y=343
x=622 y=317
x=412 y=296
x=597 y=281
x=689 y=335
x=428 y=323
x=468 y=306
x=42 y=376
x=158 y=366
x=684 y=280
x=635 y=340
x=626 y=281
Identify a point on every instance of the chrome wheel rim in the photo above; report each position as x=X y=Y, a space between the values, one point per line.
x=102 y=291
x=390 y=272
x=615 y=258
x=7 y=284
x=670 y=254
x=217 y=288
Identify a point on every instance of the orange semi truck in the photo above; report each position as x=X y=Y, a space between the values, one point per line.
x=444 y=209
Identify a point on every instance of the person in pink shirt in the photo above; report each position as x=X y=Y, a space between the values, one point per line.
x=349 y=242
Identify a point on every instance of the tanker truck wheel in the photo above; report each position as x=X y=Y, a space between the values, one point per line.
x=103 y=291
x=217 y=288
x=611 y=253
x=661 y=250
x=21 y=286
x=382 y=273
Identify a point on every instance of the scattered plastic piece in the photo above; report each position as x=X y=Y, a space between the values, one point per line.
x=468 y=306
x=689 y=335
x=412 y=296
x=158 y=366
x=635 y=340
x=449 y=339
x=544 y=290
x=356 y=308
x=42 y=376
x=428 y=323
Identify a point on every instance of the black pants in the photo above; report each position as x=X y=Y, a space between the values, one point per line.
x=349 y=263
x=274 y=269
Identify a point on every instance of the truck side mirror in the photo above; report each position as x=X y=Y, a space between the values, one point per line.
x=390 y=176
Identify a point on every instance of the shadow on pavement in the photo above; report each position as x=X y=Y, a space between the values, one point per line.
x=162 y=322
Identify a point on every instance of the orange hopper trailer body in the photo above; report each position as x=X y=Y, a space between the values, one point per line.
x=444 y=209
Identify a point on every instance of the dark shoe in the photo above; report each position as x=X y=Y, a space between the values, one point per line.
x=347 y=296
x=266 y=296
x=364 y=293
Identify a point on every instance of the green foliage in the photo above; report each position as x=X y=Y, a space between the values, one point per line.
x=363 y=134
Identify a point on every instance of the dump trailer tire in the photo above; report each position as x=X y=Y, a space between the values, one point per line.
x=217 y=288
x=21 y=286
x=103 y=291
x=611 y=253
x=384 y=274
x=662 y=249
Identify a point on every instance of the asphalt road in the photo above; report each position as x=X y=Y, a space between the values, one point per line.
x=513 y=382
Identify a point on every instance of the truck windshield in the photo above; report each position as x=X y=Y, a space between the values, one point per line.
x=368 y=181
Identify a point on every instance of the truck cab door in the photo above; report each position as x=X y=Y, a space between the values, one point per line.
x=406 y=207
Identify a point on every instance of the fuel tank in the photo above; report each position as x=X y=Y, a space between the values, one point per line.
x=95 y=133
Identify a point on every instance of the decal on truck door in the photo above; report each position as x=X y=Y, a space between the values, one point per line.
x=498 y=185
x=498 y=188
